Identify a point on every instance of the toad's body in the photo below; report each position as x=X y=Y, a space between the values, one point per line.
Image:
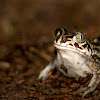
x=76 y=56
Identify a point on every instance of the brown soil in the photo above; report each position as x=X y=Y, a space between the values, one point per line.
x=19 y=70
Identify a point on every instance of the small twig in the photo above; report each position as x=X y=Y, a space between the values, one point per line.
x=18 y=82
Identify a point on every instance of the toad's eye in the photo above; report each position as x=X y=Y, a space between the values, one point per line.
x=80 y=37
x=59 y=31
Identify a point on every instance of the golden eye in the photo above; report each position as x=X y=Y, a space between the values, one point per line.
x=80 y=37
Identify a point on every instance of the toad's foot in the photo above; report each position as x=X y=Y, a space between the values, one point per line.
x=45 y=72
x=92 y=85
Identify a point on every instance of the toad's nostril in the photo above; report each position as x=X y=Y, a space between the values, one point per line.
x=63 y=40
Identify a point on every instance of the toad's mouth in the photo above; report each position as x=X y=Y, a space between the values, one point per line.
x=70 y=48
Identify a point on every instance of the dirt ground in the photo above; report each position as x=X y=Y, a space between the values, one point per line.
x=19 y=70
x=26 y=47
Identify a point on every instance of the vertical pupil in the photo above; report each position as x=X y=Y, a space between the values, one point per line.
x=80 y=37
x=83 y=37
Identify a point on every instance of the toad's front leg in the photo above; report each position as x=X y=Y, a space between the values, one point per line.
x=92 y=85
x=45 y=72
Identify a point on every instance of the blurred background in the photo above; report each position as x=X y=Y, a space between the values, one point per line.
x=26 y=43
x=29 y=21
